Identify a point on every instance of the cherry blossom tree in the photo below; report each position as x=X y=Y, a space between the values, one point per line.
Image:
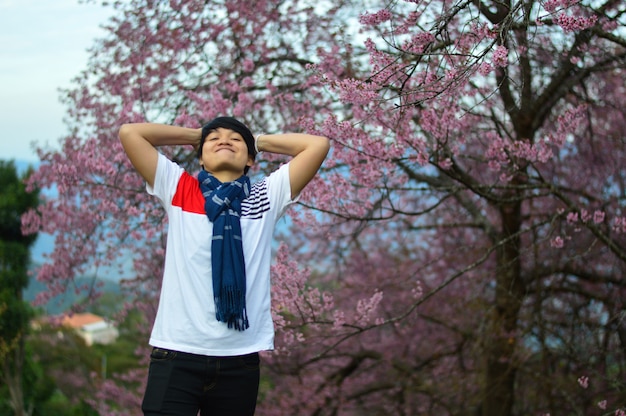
x=461 y=252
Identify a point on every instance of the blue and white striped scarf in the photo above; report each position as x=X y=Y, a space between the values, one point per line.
x=223 y=208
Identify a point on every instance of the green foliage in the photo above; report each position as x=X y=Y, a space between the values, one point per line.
x=14 y=201
x=59 y=405
x=15 y=317
x=14 y=257
x=14 y=254
x=17 y=370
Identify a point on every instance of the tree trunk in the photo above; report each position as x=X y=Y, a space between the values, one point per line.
x=500 y=339
x=13 y=379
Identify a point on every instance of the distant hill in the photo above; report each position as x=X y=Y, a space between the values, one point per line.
x=62 y=303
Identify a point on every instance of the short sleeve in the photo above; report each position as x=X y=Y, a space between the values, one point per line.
x=166 y=179
x=279 y=189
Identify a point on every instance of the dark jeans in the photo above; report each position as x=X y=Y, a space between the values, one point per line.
x=180 y=384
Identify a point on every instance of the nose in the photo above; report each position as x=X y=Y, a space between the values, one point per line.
x=225 y=140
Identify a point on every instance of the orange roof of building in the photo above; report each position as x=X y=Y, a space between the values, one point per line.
x=78 y=320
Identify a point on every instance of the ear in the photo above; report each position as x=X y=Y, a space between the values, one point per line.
x=250 y=161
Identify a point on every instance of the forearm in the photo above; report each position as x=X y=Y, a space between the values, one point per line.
x=308 y=153
x=141 y=139
x=290 y=144
x=160 y=134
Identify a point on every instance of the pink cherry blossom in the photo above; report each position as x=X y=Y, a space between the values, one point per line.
x=462 y=245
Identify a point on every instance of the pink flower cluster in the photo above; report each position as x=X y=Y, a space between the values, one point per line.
x=585 y=216
x=500 y=56
x=553 y=5
x=575 y=23
x=619 y=225
x=418 y=42
x=366 y=307
x=373 y=19
x=567 y=124
x=557 y=242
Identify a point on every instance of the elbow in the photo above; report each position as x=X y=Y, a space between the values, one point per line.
x=324 y=143
x=326 y=146
x=123 y=132
x=127 y=133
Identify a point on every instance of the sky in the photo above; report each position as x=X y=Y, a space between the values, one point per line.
x=43 y=45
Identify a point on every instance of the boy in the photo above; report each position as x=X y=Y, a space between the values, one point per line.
x=214 y=310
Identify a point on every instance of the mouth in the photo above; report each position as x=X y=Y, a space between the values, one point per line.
x=228 y=149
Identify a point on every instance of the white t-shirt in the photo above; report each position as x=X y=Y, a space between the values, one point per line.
x=185 y=320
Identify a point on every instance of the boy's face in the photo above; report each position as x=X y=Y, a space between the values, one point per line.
x=225 y=150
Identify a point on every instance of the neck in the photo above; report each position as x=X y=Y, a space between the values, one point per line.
x=226 y=176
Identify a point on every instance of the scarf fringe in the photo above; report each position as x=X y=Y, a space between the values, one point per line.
x=231 y=308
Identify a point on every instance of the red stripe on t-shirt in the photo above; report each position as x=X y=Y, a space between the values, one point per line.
x=188 y=195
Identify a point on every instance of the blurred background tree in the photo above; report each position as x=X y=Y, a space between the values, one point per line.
x=16 y=372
